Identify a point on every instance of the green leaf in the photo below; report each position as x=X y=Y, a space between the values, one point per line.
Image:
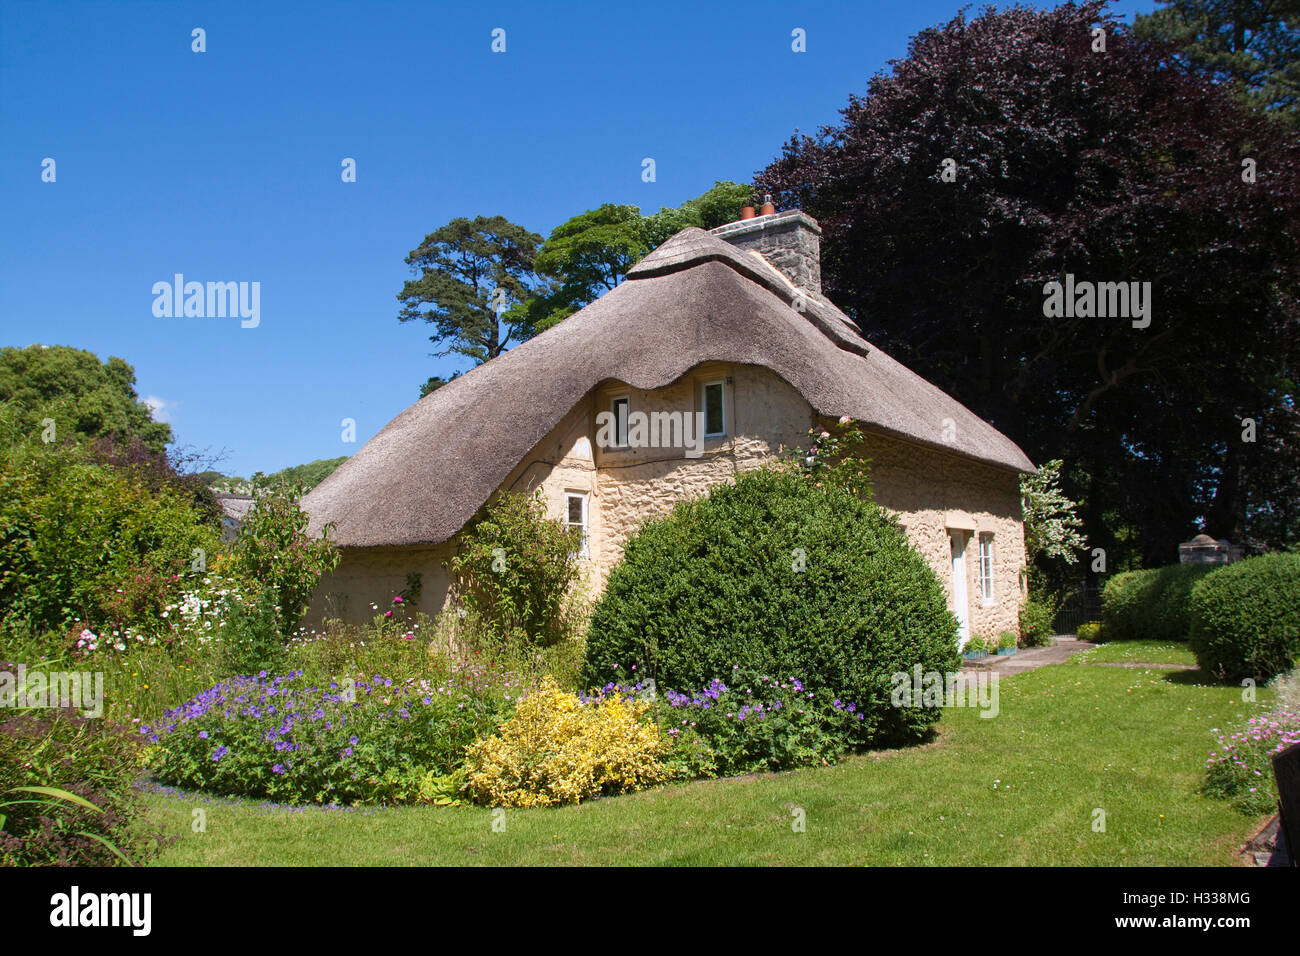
x=59 y=794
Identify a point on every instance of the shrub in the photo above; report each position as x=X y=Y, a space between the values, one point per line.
x=93 y=760
x=1036 y=619
x=1241 y=769
x=1246 y=618
x=1154 y=604
x=273 y=551
x=790 y=578
x=251 y=639
x=1007 y=639
x=80 y=541
x=362 y=740
x=558 y=748
x=755 y=723
x=514 y=571
x=1090 y=632
x=976 y=644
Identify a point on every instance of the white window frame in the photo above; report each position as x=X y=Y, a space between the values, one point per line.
x=704 y=406
x=620 y=441
x=583 y=550
x=986 y=556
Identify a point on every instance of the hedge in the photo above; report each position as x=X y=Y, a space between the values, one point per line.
x=1152 y=604
x=775 y=574
x=1246 y=618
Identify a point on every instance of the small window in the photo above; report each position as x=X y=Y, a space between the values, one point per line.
x=575 y=516
x=986 y=568
x=715 y=410
x=620 y=408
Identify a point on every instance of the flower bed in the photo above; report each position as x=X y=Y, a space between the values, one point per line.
x=368 y=740
x=752 y=724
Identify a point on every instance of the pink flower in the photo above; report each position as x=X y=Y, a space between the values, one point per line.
x=845 y=419
x=398 y=599
x=388 y=614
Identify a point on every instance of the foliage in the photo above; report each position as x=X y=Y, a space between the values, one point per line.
x=82 y=541
x=755 y=723
x=52 y=764
x=558 y=748
x=462 y=635
x=1253 y=45
x=274 y=550
x=1155 y=603
x=303 y=477
x=468 y=273
x=977 y=643
x=514 y=571
x=1008 y=639
x=252 y=637
x=1036 y=619
x=361 y=739
x=1240 y=770
x=1245 y=618
x=1053 y=527
x=85 y=398
x=585 y=257
x=1127 y=173
x=789 y=578
x=1090 y=632
x=833 y=458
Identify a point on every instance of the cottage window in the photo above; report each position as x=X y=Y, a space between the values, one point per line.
x=575 y=516
x=986 y=568
x=620 y=408
x=715 y=410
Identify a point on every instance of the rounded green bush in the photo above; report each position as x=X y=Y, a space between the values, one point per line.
x=777 y=575
x=1090 y=632
x=1153 y=604
x=1246 y=618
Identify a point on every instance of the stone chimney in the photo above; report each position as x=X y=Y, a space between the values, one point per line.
x=791 y=241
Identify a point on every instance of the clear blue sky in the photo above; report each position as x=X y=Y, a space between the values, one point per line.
x=225 y=166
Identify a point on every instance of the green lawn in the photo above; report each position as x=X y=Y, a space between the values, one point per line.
x=1017 y=789
x=1137 y=652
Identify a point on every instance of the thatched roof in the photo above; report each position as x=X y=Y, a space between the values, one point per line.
x=694 y=299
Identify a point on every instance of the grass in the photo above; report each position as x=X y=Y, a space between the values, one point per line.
x=1018 y=789
x=1137 y=652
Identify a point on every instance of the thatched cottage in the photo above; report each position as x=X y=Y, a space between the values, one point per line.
x=729 y=327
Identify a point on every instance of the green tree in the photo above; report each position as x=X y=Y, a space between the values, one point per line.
x=84 y=397
x=468 y=274
x=1254 y=45
x=588 y=255
x=1126 y=171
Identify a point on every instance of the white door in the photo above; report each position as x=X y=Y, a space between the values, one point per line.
x=959 y=604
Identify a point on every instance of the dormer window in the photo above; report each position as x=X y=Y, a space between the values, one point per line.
x=715 y=410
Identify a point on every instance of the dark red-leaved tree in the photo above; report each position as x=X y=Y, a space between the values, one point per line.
x=1113 y=166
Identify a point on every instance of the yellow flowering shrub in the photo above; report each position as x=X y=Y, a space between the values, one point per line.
x=557 y=749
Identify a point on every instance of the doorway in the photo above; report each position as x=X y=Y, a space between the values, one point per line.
x=960 y=605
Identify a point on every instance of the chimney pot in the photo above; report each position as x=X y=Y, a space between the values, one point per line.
x=747 y=212
x=768 y=208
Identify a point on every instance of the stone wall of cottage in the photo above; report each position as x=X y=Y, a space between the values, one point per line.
x=934 y=493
